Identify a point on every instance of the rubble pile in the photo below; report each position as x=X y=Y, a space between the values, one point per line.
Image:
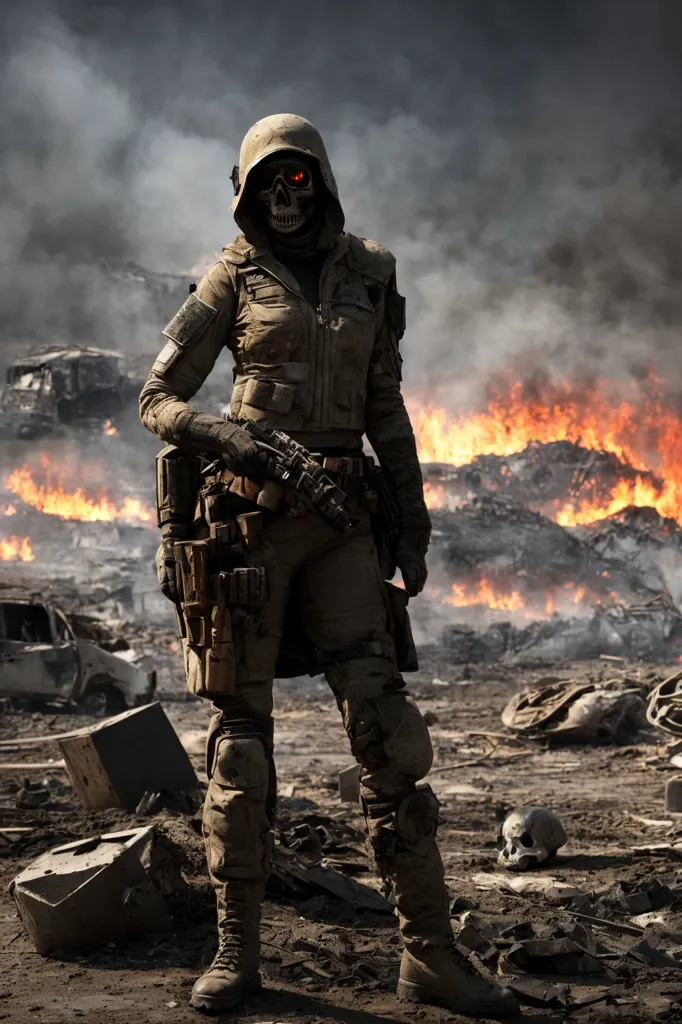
x=602 y=938
x=525 y=586
x=639 y=632
x=541 y=473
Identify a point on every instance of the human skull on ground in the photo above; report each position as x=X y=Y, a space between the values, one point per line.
x=530 y=835
x=287 y=194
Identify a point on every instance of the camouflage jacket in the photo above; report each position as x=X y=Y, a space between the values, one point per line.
x=326 y=376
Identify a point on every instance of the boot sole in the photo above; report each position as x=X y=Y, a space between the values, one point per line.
x=218 y=1004
x=410 y=992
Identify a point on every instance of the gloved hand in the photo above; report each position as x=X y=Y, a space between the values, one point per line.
x=412 y=565
x=165 y=570
x=246 y=457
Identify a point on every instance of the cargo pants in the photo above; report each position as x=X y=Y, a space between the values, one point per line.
x=339 y=592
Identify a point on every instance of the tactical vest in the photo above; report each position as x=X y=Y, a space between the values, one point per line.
x=300 y=368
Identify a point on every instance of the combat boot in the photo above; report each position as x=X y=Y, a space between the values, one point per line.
x=432 y=970
x=444 y=976
x=234 y=972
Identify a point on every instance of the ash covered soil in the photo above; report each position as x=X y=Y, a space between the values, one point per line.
x=322 y=961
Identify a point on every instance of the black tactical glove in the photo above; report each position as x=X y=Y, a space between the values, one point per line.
x=165 y=570
x=242 y=454
x=246 y=457
x=256 y=461
x=412 y=565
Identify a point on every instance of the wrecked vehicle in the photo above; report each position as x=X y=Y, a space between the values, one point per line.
x=51 y=388
x=43 y=659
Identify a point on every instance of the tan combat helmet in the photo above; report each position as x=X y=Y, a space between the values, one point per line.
x=284 y=133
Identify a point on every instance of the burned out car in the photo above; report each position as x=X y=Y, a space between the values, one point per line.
x=49 y=389
x=42 y=658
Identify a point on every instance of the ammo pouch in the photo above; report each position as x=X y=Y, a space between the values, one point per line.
x=209 y=603
x=400 y=628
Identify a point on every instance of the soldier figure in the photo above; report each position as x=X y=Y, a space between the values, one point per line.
x=313 y=320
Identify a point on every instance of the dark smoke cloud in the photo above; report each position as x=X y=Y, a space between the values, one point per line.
x=522 y=160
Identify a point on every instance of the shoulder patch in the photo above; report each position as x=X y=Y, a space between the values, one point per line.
x=189 y=321
x=372 y=259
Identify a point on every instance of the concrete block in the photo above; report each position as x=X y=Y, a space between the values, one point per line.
x=349 y=784
x=91 y=892
x=117 y=761
x=673 y=795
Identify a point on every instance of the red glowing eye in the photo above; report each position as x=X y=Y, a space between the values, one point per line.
x=298 y=176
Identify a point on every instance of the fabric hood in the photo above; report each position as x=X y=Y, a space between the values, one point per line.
x=276 y=134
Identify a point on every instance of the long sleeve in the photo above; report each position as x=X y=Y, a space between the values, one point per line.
x=194 y=339
x=387 y=423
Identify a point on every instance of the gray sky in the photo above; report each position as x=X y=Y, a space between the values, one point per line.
x=521 y=159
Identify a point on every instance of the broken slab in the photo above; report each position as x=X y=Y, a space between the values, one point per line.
x=296 y=871
x=94 y=891
x=535 y=992
x=349 y=784
x=549 y=956
x=117 y=761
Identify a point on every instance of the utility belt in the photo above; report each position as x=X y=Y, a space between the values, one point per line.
x=345 y=465
x=220 y=580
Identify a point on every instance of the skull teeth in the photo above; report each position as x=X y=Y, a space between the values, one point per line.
x=286 y=220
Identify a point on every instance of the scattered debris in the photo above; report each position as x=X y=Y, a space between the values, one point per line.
x=99 y=890
x=534 y=992
x=117 y=761
x=301 y=873
x=32 y=766
x=520 y=886
x=559 y=955
x=665 y=705
x=578 y=712
x=530 y=836
x=32 y=795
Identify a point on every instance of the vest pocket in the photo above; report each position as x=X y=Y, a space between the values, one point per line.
x=274 y=395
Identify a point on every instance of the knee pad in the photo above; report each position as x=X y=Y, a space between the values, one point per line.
x=242 y=759
x=389 y=730
x=416 y=819
x=407 y=823
x=243 y=765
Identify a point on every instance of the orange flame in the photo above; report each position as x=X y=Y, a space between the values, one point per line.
x=54 y=500
x=434 y=495
x=8 y=510
x=635 y=422
x=485 y=592
x=16 y=549
x=499 y=594
x=109 y=429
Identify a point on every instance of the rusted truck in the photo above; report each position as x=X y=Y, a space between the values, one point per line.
x=50 y=390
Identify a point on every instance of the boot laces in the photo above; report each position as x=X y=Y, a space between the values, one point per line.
x=231 y=942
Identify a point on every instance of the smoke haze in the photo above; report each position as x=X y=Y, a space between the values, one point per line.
x=521 y=160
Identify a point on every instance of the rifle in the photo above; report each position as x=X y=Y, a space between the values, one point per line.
x=296 y=468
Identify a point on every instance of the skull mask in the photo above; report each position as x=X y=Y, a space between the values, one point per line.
x=530 y=835
x=287 y=193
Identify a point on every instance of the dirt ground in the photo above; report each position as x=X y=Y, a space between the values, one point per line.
x=600 y=793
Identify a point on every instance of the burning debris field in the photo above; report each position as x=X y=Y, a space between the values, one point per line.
x=556 y=516
x=524 y=168
x=555 y=547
